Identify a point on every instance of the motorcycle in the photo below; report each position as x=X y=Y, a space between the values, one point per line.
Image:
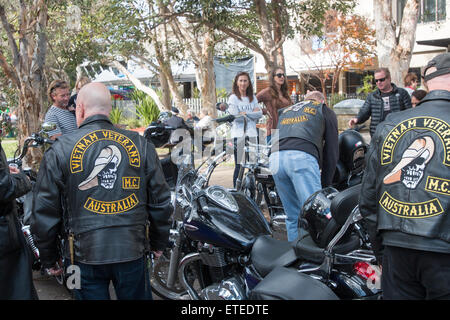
x=329 y=249
x=24 y=203
x=349 y=171
x=222 y=247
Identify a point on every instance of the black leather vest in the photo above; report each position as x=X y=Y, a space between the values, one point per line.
x=303 y=120
x=414 y=175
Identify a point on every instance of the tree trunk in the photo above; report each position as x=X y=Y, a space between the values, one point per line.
x=395 y=52
x=139 y=85
x=161 y=46
x=165 y=91
x=201 y=49
x=26 y=71
x=206 y=79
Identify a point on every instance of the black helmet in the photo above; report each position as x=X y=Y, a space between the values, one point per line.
x=352 y=150
x=156 y=133
x=316 y=211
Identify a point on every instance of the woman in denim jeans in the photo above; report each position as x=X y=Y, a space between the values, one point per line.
x=243 y=102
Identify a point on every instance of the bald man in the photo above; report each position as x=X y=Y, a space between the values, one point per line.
x=103 y=190
x=405 y=196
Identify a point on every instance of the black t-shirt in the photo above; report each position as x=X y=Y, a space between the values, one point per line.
x=386 y=104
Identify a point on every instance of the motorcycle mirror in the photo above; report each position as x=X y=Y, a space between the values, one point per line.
x=222 y=106
x=48 y=126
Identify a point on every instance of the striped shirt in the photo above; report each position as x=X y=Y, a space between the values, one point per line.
x=64 y=119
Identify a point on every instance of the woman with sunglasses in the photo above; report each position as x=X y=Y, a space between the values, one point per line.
x=242 y=102
x=274 y=97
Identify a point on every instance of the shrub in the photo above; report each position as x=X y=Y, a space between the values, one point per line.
x=146 y=108
x=116 y=115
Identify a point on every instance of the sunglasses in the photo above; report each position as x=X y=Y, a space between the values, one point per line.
x=279 y=75
x=380 y=80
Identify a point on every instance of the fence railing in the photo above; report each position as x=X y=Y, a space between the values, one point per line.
x=195 y=104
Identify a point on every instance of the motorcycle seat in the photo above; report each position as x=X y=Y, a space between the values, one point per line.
x=306 y=249
x=288 y=284
x=268 y=253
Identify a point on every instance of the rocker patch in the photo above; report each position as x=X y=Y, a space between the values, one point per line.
x=401 y=209
x=114 y=207
x=439 y=127
x=76 y=158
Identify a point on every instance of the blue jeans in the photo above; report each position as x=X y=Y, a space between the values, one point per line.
x=131 y=281
x=297 y=176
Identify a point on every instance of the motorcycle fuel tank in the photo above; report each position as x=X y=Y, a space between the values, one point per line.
x=234 y=227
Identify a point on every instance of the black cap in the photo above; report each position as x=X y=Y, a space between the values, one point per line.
x=175 y=110
x=442 y=65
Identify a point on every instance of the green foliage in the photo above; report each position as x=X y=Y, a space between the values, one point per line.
x=221 y=93
x=196 y=93
x=133 y=122
x=9 y=146
x=146 y=108
x=116 y=115
x=367 y=86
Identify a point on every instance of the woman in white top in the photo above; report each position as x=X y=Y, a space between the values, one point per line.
x=243 y=102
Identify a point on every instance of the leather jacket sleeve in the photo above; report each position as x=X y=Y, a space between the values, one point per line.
x=11 y=185
x=46 y=216
x=159 y=204
x=368 y=198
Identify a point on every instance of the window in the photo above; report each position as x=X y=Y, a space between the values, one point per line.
x=429 y=10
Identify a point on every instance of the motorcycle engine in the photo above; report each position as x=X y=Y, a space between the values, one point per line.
x=232 y=288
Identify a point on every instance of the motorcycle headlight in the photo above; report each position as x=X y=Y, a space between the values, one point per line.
x=220 y=196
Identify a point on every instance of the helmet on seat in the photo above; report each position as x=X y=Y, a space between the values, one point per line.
x=352 y=150
x=156 y=133
x=316 y=211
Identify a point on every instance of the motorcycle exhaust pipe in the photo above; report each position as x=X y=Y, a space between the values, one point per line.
x=29 y=238
x=174 y=257
x=192 y=257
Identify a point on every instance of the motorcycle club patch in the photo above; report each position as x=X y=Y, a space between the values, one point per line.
x=411 y=168
x=105 y=169
x=76 y=158
x=104 y=174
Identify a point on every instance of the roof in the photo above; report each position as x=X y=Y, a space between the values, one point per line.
x=436 y=42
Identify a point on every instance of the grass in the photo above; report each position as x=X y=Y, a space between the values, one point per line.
x=9 y=146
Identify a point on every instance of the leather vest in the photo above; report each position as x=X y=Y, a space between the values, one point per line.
x=303 y=120
x=107 y=206
x=414 y=174
x=105 y=175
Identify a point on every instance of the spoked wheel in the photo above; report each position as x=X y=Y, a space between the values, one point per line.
x=158 y=280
